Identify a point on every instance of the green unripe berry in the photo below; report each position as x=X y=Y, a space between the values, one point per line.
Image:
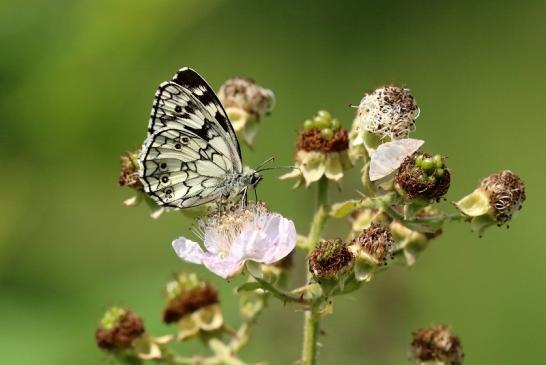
x=327 y=133
x=321 y=123
x=438 y=161
x=419 y=161
x=439 y=172
x=308 y=124
x=336 y=124
x=323 y=114
x=427 y=164
x=432 y=179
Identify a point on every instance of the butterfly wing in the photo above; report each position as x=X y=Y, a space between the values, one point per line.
x=191 y=146
x=188 y=101
x=389 y=156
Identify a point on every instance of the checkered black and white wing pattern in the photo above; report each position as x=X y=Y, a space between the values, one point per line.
x=191 y=147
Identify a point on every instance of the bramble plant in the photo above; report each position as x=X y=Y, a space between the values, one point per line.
x=393 y=220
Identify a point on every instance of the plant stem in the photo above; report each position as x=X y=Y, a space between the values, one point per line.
x=310 y=334
x=312 y=317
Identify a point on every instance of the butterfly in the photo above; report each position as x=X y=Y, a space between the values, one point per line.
x=389 y=156
x=191 y=155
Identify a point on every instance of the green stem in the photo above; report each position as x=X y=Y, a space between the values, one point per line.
x=312 y=317
x=310 y=334
x=279 y=293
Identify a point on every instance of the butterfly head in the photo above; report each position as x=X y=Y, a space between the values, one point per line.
x=254 y=178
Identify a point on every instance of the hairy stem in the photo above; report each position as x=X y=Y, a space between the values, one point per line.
x=312 y=317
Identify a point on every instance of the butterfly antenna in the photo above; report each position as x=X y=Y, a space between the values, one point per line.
x=353 y=106
x=278 y=168
x=265 y=162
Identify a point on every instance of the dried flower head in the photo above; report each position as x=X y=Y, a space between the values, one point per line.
x=330 y=259
x=129 y=171
x=186 y=294
x=389 y=111
x=495 y=200
x=239 y=234
x=423 y=176
x=322 y=150
x=246 y=103
x=118 y=329
x=374 y=242
x=436 y=345
x=245 y=94
x=506 y=193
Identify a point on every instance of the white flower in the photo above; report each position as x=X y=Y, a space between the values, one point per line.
x=233 y=237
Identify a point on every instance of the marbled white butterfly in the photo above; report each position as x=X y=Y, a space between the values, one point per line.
x=191 y=155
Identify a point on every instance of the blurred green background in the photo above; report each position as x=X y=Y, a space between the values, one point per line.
x=77 y=81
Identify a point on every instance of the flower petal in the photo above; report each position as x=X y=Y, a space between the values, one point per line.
x=334 y=170
x=226 y=268
x=188 y=250
x=313 y=166
x=266 y=240
x=283 y=241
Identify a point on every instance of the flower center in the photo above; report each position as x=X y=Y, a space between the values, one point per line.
x=226 y=225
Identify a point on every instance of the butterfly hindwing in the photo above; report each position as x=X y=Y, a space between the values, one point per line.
x=181 y=169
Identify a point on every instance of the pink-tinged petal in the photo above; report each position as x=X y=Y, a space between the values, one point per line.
x=226 y=268
x=212 y=241
x=251 y=244
x=188 y=250
x=268 y=240
x=282 y=236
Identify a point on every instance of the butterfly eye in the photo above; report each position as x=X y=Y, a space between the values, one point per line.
x=164 y=179
x=163 y=166
x=178 y=108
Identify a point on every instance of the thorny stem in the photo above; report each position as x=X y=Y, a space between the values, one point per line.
x=312 y=316
x=281 y=294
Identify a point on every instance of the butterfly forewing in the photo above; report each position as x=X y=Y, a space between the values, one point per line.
x=191 y=147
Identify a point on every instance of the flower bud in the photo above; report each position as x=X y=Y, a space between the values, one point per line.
x=409 y=242
x=193 y=304
x=422 y=176
x=495 y=200
x=331 y=259
x=322 y=150
x=389 y=111
x=118 y=329
x=372 y=248
x=436 y=345
x=246 y=103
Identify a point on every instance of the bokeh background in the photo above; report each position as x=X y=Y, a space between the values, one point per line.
x=77 y=80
